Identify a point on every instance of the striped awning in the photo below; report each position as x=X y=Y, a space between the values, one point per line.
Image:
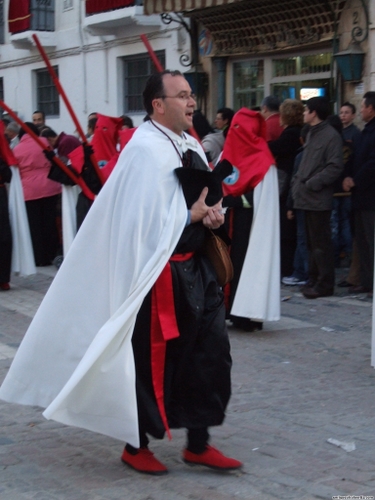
x=160 y=6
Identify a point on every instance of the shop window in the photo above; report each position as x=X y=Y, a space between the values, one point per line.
x=137 y=70
x=248 y=84
x=47 y=97
x=317 y=63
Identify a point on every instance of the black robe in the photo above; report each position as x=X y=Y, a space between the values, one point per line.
x=197 y=365
x=5 y=230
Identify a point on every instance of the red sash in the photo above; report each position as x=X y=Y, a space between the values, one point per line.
x=163 y=327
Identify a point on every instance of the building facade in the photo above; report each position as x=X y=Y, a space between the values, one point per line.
x=95 y=49
x=234 y=52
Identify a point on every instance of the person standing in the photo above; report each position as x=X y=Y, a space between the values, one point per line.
x=270 y=111
x=360 y=179
x=312 y=191
x=146 y=341
x=41 y=196
x=5 y=230
x=350 y=132
x=39 y=119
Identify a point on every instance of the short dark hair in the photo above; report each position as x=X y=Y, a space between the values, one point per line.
x=127 y=121
x=155 y=88
x=369 y=98
x=271 y=102
x=336 y=123
x=227 y=114
x=320 y=105
x=350 y=105
x=41 y=112
x=31 y=126
x=48 y=132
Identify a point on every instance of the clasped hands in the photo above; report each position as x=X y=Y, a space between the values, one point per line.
x=211 y=217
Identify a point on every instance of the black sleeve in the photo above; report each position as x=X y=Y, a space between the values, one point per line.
x=5 y=172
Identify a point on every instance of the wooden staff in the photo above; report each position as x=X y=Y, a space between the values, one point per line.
x=75 y=178
x=61 y=91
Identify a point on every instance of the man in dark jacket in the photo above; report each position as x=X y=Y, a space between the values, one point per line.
x=312 y=191
x=361 y=180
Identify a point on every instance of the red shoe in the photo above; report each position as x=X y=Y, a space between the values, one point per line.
x=4 y=286
x=212 y=458
x=144 y=461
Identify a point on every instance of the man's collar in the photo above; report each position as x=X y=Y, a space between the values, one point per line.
x=184 y=141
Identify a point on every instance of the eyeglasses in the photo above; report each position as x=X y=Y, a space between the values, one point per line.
x=183 y=96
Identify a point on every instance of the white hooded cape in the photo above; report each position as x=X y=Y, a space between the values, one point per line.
x=23 y=262
x=76 y=358
x=258 y=291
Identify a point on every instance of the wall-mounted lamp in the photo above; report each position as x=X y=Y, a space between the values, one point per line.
x=350 y=62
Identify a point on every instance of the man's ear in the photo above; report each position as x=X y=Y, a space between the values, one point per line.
x=158 y=105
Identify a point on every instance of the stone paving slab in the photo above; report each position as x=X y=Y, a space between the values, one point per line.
x=296 y=384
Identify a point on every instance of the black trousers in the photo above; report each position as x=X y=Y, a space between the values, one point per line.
x=5 y=237
x=321 y=251
x=364 y=221
x=41 y=215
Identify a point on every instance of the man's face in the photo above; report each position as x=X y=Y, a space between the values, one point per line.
x=175 y=110
x=220 y=123
x=38 y=119
x=308 y=116
x=367 y=112
x=346 y=115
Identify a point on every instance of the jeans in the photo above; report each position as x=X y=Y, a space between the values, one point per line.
x=301 y=255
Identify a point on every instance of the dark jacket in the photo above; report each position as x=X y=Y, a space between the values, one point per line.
x=362 y=169
x=320 y=167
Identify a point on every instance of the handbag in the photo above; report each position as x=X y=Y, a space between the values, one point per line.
x=218 y=253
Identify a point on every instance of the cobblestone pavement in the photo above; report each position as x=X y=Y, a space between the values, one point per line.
x=296 y=384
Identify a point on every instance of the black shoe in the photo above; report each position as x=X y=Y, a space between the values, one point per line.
x=344 y=284
x=246 y=324
x=311 y=293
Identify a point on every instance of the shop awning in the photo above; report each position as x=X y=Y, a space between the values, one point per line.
x=160 y=6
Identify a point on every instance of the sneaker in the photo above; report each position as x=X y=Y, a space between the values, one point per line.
x=212 y=458
x=144 y=461
x=292 y=281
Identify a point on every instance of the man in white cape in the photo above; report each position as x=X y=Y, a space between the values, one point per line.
x=82 y=357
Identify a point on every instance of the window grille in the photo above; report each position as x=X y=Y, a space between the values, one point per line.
x=42 y=15
x=47 y=95
x=137 y=70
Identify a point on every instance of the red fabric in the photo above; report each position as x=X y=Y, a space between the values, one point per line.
x=19 y=16
x=6 y=153
x=108 y=167
x=273 y=127
x=246 y=149
x=93 y=6
x=163 y=327
x=125 y=135
x=105 y=138
x=77 y=159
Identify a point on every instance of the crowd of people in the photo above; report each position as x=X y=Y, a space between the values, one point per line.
x=47 y=190
x=152 y=315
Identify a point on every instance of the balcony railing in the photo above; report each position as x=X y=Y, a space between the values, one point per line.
x=100 y=6
x=38 y=15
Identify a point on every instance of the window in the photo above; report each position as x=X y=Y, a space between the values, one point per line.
x=47 y=96
x=137 y=70
x=68 y=4
x=42 y=15
x=1 y=94
x=248 y=84
x=2 y=22
x=301 y=77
